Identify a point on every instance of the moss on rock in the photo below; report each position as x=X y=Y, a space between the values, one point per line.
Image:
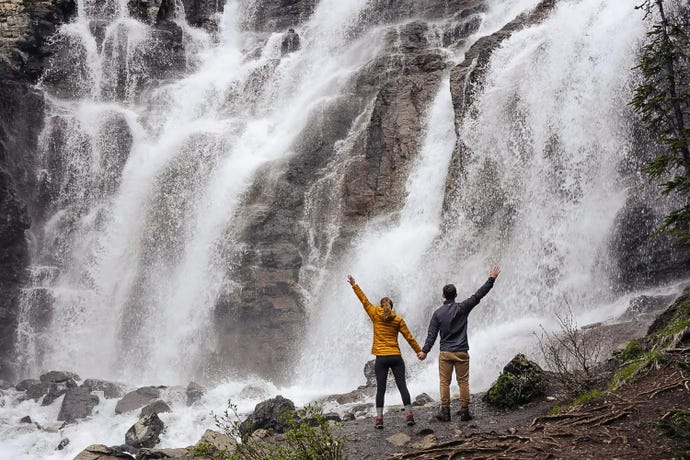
x=521 y=382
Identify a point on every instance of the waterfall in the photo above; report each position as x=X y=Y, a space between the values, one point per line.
x=141 y=239
x=145 y=176
x=538 y=193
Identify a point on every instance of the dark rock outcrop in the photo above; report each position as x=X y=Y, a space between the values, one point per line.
x=78 y=403
x=203 y=13
x=290 y=42
x=269 y=15
x=520 y=382
x=24 y=51
x=145 y=433
x=268 y=415
x=642 y=257
x=136 y=399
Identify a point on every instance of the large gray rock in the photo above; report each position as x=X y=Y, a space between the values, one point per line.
x=219 y=442
x=78 y=403
x=37 y=391
x=156 y=407
x=67 y=378
x=110 y=390
x=268 y=415
x=145 y=433
x=136 y=399
x=101 y=452
x=26 y=384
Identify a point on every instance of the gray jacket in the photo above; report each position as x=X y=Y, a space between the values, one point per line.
x=450 y=320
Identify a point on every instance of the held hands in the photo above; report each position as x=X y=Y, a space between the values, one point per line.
x=351 y=280
x=494 y=272
x=421 y=355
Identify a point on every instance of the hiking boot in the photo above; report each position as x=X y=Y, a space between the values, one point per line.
x=409 y=419
x=465 y=414
x=443 y=415
x=378 y=423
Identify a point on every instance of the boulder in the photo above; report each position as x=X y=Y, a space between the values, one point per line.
x=218 y=442
x=67 y=378
x=422 y=400
x=25 y=419
x=269 y=415
x=101 y=452
x=37 y=390
x=136 y=399
x=156 y=407
x=26 y=384
x=110 y=390
x=145 y=433
x=63 y=443
x=194 y=393
x=5 y=385
x=520 y=382
x=54 y=392
x=78 y=403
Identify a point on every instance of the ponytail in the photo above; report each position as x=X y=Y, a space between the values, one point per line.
x=387 y=305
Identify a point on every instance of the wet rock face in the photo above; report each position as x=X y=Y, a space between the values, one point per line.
x=271 y=15
x=203 y=13
x=642 y=257
x=21 y=114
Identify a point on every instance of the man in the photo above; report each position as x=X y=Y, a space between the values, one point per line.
x=450 y=320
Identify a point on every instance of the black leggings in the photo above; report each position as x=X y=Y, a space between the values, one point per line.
x=381 y=366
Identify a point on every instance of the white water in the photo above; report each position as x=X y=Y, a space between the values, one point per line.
x=144 y=252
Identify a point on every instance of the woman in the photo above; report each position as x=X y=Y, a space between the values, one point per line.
x=386 y=327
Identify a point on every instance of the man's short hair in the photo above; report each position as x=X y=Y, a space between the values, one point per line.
x=449 y=292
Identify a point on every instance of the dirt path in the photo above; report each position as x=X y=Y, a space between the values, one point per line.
x=619 y=425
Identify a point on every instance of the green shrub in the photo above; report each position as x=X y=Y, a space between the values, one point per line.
x=308 y=435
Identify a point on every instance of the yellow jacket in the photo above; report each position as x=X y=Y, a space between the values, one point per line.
x=385 y=332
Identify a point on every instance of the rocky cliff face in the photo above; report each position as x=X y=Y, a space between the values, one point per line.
x=25 y=29
x=387 y=102
x=311 y=204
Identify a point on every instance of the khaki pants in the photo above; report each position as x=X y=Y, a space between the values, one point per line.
x=460 y=361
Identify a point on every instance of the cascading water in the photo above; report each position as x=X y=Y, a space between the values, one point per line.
x=145 y=176
x=539 y=190
x=140 y=257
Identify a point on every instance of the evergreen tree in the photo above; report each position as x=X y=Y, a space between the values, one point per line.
x=662 y=101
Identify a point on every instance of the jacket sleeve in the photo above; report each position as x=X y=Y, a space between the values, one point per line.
x=409 y=337
x=431 y=335
x=368 y=307
x=474 y=299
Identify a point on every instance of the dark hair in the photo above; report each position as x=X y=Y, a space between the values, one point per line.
x=387 y=305
x=449 y=292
